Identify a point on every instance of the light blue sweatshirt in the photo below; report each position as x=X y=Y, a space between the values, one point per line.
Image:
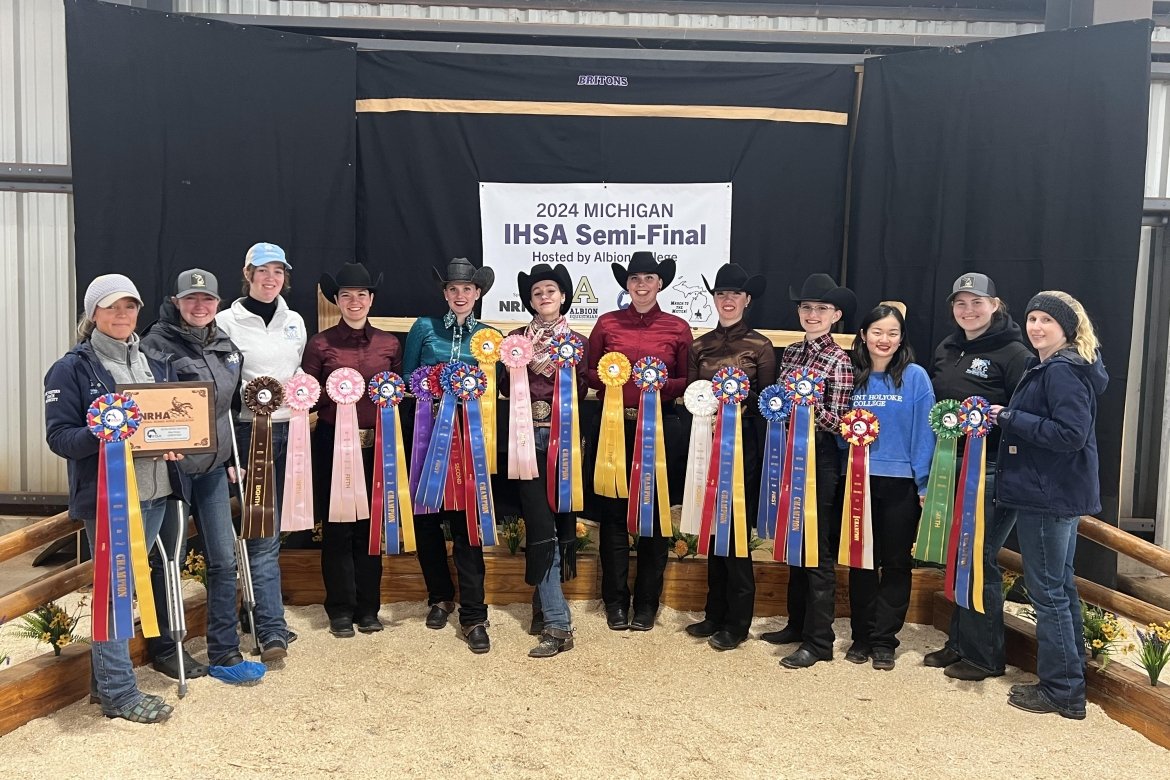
x=905 y=443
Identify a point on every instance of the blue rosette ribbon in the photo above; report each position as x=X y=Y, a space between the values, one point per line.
x=724 y=506
x=648 y=486
x=566 y=491
x=468 y=383
x=964 y=581
x=798 y=486
x=775 y=406
x=391 y=512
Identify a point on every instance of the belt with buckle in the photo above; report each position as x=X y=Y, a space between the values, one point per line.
x=631 y=412
x=366 y=437
x=541 y=411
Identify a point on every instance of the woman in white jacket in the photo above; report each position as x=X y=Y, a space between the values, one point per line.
x=271 y=338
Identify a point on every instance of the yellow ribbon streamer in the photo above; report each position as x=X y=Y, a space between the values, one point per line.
x=739 y=516
x=609 y=471
x=139 y=559
x=977 y=550
x=487 y=406
x=812 y=555
x=577 y=481
x=405 y=508
x=664 y=523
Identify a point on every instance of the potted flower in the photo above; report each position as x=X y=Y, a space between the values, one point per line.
x=1154 y=649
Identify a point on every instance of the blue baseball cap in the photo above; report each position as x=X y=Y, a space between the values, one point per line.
x=263 y=253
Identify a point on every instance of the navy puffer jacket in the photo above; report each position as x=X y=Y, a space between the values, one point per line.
x=1048 y=449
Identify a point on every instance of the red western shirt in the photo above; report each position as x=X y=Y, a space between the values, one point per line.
x=635 y=335
x=369 y=350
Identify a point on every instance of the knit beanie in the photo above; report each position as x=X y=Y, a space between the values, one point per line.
x=1058 y=310
x=106 y=290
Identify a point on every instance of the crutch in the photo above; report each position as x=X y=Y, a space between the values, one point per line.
x=176 y=617
x=243 y=565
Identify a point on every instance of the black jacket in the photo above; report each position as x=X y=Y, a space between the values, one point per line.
x=1048 y=452
x=990 y=365
x=218 y=361
x=71 y=385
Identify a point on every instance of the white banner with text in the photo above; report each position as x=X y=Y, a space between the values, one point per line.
x=589 y=226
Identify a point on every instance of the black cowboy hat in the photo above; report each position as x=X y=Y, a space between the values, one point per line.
x=460 y=269
x=543 y=272
x=732 y=278
x=644 y=263
x=350 y=275
x=821 y=288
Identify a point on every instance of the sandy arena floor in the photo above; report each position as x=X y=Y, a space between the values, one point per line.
x=410 y=702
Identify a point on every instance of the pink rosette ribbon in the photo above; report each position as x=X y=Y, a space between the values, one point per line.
x=516 y=352
x=348 y=500
x=301 y=392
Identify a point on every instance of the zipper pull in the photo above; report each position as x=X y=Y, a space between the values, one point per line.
x=962 y=354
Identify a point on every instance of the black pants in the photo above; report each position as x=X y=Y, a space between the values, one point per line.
x=353 y=577
x=812 y=590
x=432 y=557
x=614 y=546
x=731 y=581
x=880 y=597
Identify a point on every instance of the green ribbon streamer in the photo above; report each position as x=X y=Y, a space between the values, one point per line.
x=935 y=526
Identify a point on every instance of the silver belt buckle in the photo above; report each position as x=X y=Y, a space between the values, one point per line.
x=541 y=411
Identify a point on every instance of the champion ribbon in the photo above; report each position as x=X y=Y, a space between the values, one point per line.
x=774 y=407
x=301 y=392
x=262 y=396
x=648 y=486
x=390 y=512
x=934 y=528
x=859 y=428
x=724 y=505
x=485 y=348
x=798 y=488
x=121 y=568
x=964 y=582
x=566 y=492
x=467 y=384
x=516 y=353
x=428 y=496
x=609 y=471
x=348 y=501
x=701 y=403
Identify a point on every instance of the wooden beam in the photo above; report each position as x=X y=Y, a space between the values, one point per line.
x=1125 y=543
x=37 y=535
x=1103 y=597
x=42 y=592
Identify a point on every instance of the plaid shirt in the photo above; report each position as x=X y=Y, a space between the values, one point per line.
x=825 y=358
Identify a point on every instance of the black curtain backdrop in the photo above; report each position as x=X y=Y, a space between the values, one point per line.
x=419 y=173
x=193 y=140
x=1022 y=158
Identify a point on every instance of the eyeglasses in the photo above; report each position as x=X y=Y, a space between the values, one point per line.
x=820 y=308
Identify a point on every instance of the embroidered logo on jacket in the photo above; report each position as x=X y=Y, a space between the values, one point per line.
x=979 y=367
x=292 y=332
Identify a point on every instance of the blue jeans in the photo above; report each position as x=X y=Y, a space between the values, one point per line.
x=978 y=638
x=112 y=670
x=264 y=554
x=1047 y=544
x=549 y=597
x=210 y=504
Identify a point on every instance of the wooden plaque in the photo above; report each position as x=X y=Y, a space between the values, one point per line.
x=176 y=417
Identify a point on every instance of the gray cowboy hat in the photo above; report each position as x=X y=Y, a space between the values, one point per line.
x=460 y=269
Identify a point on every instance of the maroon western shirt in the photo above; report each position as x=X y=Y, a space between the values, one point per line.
x=635 y=335
x=368 y=350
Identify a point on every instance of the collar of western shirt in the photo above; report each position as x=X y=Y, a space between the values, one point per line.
x=732 y=331
x=355 y=335
x=651 y=314
x=819 y=344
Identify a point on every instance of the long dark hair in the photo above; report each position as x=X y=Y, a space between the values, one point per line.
x=902 y=357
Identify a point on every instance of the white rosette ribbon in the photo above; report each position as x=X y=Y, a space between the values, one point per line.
x=702 y=405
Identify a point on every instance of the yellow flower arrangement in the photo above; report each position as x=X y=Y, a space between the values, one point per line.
x=1103 y=633
x=195 y=568
x=52 y=625
x=1154 y=649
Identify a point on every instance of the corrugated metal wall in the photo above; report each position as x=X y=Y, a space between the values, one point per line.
x=36 y=238
x=606 y=18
